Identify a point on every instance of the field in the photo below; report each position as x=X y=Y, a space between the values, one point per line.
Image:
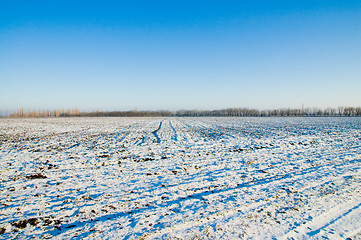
x=180 y=178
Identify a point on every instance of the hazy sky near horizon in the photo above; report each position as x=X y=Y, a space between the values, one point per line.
x=151 y=55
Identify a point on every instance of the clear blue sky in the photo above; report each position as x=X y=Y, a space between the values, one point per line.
x=119 y=55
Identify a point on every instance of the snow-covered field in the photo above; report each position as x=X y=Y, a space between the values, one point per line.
x=180 y=178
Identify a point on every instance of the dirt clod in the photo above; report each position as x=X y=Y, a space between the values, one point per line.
x=36 y=176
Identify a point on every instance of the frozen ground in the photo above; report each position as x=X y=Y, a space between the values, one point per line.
x=180 y=178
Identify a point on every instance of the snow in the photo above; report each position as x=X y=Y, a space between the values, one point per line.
x=186 y=178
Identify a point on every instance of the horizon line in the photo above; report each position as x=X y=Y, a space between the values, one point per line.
x=243 y=111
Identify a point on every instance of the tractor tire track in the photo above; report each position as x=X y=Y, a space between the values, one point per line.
x=155 y=132
x=175 y=137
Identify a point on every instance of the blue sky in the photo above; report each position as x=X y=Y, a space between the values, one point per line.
x=151 y=55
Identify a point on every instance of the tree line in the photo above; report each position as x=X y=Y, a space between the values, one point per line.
x=228 y=112
x=39 y=113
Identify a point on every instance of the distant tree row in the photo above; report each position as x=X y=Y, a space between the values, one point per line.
x=229 y=112
x=22 y=113
x=127 y=114
x=242 y=112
